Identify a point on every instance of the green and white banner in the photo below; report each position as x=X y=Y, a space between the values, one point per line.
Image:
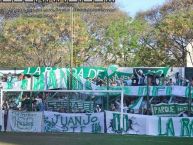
x=154 y=91
x=83 y=72
x=75 y=105
x=73 y=122
x=48 y=79
x=170 y=126
x=53 y=78
x=132 y=123
x=149 y=125
x=88 y=72
x=169 y=109
x=36 y=71
x=24 y=121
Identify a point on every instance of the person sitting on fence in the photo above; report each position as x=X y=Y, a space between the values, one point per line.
x=140 y=77
x=26 y=104
x=134 y=80
x=98 y=109
x=118 y=105
x=113 y=108
x=162 y=80
x=125 y=107
x=113 y=84
x=62 y=110
x=191 y=82
x=35 y=106
x=5 y=107
x=99 y=82
x=170 y=83
x=128 y=82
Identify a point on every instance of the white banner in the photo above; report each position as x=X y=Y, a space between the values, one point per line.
x=73 y=122
x=24 y=121
x=1 y=120
x=132 y=124
x=171 y=126
x=180 y=91
x=149 y=125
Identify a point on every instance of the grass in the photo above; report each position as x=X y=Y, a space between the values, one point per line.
x=87 y=139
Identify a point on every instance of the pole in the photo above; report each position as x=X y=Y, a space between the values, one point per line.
x=122 y=97
x=148 y=103
x=189 y=101
x=71 y=46
x=107 y=92
x=1 y=98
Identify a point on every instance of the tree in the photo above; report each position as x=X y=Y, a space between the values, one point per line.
x=176 y=31
x=43 y=40
x=170 y=31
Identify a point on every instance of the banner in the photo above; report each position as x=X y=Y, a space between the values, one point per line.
x=149 y=125
x=83 y=72
x=88 y=72
x=169 y=109
x=53 y=78
x=24 y=121
x=154 y=91
x=170 y=126
x=132 y=123
x=36 y=71
x=1 y=120
x=73 y=122
x=75 y=105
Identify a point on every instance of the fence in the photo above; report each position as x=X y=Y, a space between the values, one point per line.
x=103 y=122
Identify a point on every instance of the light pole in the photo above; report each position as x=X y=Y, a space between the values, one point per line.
x=71 y=45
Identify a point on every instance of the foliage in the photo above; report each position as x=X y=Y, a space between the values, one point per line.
x=43 y=40
x=157 y=37
x=169 y=34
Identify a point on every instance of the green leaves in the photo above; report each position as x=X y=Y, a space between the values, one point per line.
x=42 y=40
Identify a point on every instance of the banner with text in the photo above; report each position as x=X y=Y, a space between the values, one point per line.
x=154 y=91
x=169 y=109
x=73 y=122
x=149 y=125
x=132 y=123
x=24 y=121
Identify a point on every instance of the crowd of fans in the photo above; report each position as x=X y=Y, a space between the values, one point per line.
x=137 y=79
x=26 y=103
x=140 y=79
x=40 y=102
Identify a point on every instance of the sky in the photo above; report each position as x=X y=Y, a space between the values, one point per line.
x=133 y=6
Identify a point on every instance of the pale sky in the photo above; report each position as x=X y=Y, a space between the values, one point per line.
x=133 y=6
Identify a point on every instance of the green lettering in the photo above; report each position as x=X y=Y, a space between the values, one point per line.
x=160 y=127
x=185 y=127
x=126 y=123
x=116 y=122
x=170 y=128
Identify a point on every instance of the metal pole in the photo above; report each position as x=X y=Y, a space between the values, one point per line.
x=71 y=46
x=148 y=103
x=189 y=100
x=1 y=98
x=108 y=92
x=121 y=121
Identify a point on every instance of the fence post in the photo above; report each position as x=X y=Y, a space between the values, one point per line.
x=121 y=121
x=107 y=92
x=148 y=103
x=1 y=98
x=189 y=100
